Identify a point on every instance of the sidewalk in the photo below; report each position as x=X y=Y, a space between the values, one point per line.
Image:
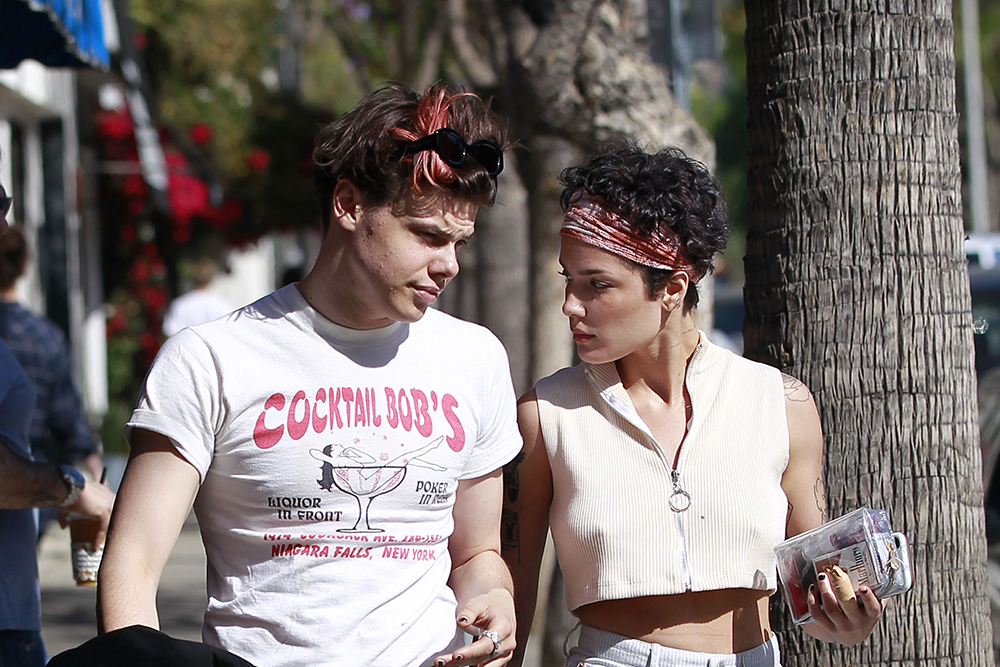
x=68 y=613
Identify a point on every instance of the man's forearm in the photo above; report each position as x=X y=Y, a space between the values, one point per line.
x=480 y=574
x=124 y=600
x=27 y=483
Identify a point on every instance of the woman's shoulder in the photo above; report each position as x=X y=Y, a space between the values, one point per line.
x=570 y=376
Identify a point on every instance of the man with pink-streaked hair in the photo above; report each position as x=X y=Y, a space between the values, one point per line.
x=341 y=442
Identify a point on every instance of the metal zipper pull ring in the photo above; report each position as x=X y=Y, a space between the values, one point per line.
x=680 y=499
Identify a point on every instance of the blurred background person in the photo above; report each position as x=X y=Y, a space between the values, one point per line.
x=59 y=432
x=198 y=306
x=29 y=484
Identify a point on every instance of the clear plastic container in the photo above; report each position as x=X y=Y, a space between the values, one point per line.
x=861 y=543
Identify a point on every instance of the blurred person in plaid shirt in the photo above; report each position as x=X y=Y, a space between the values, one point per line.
x=59 y=430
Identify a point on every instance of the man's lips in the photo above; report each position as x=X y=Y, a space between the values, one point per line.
x=428 y=294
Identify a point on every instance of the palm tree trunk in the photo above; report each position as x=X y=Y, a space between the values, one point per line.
x=856 y=283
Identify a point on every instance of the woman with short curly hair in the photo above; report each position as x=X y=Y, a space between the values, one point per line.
x=666 y=467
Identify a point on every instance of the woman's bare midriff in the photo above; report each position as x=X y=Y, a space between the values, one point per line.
x=724 y=621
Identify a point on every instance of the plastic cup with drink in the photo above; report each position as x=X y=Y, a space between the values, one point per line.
x=85 y=557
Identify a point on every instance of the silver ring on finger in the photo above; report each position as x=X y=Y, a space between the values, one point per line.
x=494 y=637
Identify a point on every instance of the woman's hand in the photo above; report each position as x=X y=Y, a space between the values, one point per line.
x=488 y=617
x=836 y=618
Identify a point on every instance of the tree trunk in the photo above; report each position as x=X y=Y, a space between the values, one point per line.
x=503 y=251
x=552 y=343
x=856 y=283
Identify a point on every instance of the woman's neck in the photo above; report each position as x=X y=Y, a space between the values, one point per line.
x=663 y=366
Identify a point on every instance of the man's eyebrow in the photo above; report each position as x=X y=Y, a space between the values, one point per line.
x=448 y=231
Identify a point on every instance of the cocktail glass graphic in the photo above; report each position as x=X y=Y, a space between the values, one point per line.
x=366 y=483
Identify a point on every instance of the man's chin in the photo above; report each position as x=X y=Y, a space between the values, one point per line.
x=415 y=313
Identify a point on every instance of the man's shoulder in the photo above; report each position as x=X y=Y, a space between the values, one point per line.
x=31 y=329
x=262 y=319
x=439 y=321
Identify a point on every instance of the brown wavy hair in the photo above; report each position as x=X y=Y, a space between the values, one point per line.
x=13 y=256
x=364 y=146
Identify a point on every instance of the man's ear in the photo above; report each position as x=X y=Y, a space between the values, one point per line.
x=346 y=206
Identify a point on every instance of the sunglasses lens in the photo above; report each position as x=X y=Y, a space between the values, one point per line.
x=451 y=148
x=488 y=155
x=5 y=203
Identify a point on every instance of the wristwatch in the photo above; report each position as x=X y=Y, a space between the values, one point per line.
x=74 y=481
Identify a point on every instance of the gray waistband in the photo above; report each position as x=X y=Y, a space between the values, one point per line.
x=620 y=650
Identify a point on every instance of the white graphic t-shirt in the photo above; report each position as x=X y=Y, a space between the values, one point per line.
x=329 y=459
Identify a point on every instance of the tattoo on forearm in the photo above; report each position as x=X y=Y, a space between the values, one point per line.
x=511 y=483
x=795 y=390
x=510 y=533
x=820 y=493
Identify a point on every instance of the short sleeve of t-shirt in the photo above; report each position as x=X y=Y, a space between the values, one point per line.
x=181 y=399
x=500 y=439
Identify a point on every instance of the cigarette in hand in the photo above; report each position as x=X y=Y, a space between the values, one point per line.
x=844 y=589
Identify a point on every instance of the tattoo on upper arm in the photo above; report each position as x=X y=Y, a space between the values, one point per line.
x=795 y=389
x=511 y=483
x=510 y=525
x=510 y=533
x=820 y=493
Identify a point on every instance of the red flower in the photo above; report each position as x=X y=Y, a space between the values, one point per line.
x=139 y=273
x=117 y=322
x=188 y=196
x=181 y=233
x=201 y=133
x=175 y=160
x=258 y=159
x=133 y=185
x=225 y=215
x=154 y=298
x=116 y=125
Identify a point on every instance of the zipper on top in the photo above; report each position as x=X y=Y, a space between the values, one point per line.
x=679 y=500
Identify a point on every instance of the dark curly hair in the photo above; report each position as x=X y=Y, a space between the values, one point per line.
x=656 y=192
x=363 y=146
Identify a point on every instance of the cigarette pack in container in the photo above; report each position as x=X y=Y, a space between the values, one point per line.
x=861 y=543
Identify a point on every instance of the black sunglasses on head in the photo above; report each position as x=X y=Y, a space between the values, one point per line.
x=5 y=201
x=451 y=147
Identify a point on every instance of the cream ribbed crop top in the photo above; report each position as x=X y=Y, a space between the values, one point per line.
x=614 y=531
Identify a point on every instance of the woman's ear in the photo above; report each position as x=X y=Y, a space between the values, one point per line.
x=346 y=206
x=675 y=290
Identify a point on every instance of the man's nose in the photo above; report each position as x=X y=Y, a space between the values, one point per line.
x=446 y=262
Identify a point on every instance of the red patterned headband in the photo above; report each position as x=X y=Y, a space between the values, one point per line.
x=587 y=219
